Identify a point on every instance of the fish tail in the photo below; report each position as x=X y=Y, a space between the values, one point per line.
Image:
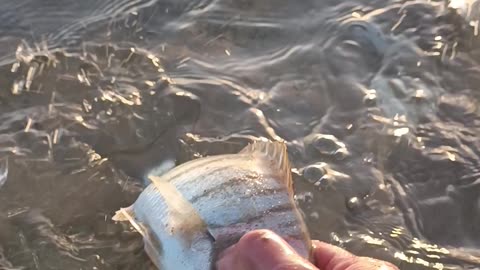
x=127 y=214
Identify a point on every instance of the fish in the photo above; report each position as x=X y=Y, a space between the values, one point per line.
x=193 y=212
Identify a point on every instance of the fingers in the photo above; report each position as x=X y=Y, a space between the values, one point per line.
x=265 y=250
x=262 y=250
x=328 y=257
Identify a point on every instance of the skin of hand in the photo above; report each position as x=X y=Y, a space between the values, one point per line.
x=265 y=250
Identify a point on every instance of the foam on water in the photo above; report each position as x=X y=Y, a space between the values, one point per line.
x=377 y=101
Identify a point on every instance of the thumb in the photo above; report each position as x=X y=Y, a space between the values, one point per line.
x=262 y=250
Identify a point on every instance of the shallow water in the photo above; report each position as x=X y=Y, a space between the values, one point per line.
x=377 y=100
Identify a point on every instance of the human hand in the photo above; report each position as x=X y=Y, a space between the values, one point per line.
x=265 y=250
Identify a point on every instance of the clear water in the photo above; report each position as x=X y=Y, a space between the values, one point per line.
x=378 y=101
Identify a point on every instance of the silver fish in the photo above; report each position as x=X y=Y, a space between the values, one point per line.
x=193 y=212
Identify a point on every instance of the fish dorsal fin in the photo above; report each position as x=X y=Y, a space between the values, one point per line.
x=276 y=153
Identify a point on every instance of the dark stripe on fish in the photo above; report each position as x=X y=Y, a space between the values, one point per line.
x=260 y=215
x=232 y=182
x=291 y=223
x=214 y=187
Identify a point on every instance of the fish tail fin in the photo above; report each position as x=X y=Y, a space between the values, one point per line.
x=127 y=214
x=276 y=153
x=123 y=214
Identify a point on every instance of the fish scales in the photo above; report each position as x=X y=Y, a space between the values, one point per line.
x=235 y=193
x=164 y=242
x=198 y=209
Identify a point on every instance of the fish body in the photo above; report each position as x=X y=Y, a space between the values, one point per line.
x=193 y=212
